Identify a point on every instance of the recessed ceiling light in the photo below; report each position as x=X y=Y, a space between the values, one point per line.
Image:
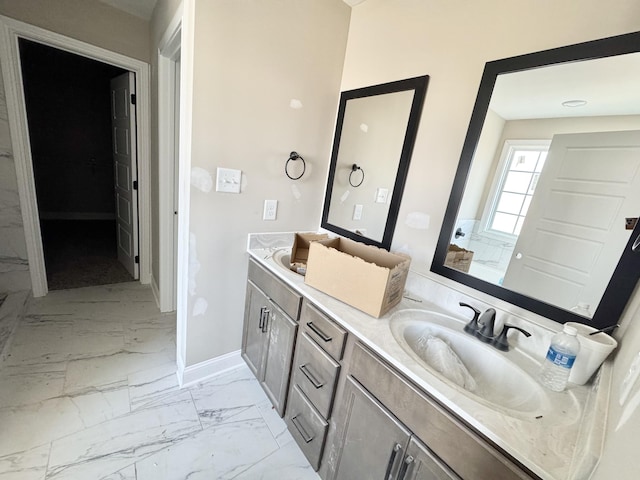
x=574 y=103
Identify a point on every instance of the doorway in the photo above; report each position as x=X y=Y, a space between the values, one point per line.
x=68 y=106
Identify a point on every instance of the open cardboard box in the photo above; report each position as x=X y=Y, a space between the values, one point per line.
x=458 y=258
x=365 y=277
x=300 y=248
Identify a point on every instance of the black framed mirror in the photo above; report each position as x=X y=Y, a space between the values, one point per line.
x=375 y=132
x=542 y=209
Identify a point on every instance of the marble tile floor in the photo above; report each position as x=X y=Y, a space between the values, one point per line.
x=88 y=391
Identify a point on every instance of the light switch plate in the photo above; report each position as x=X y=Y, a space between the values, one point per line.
x=228 y=180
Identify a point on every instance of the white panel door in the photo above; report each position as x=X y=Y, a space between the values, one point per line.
x=574 y=231
x=123 y=127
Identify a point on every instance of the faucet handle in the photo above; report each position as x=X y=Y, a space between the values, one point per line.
x=501 y=342
x=472 y=327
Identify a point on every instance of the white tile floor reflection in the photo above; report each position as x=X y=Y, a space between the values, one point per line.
x=88 y=391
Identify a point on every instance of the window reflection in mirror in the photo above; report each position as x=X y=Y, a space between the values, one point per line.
x=549 y=173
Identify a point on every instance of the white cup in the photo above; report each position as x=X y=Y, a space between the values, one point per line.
x=594 y=349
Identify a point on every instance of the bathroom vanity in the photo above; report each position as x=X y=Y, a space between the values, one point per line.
x=354 y=399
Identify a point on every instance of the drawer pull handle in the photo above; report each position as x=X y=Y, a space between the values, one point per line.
x=310 y=376
x=397 y=449
x=319 y=332
x=408 y=460
x=305 y=436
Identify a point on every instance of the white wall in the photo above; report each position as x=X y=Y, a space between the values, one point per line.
x=251 y=59
x=87 y=20
x=451 y=41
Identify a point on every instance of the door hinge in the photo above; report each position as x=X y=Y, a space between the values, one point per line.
x=135 y=184
x=137 y=259
x=133 y=99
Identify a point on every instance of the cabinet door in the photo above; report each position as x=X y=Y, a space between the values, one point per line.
x=254 y=335
x=279 y=355
x=373 y=441
x=420 y=464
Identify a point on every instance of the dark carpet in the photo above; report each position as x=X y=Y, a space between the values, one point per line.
x=81 y=253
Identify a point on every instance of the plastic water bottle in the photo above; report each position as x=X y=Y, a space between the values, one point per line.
x=560 y=357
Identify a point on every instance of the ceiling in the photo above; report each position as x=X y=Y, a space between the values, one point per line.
x=608 y=85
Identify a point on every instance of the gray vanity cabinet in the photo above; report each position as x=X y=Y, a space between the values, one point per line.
x=375 y=444
x=269 y=332
x=384 y=425
x=353 y=415
x=420 y=463
x=315 y=372
x=254 y=338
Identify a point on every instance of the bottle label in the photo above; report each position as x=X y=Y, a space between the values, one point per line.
x=558 y=358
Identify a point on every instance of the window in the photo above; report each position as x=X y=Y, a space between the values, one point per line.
x=515 y=183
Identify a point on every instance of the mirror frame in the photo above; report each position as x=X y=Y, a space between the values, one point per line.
x=627 y=272
x=419 y=86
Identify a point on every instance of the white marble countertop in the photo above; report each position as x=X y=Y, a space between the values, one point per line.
x=560 y=442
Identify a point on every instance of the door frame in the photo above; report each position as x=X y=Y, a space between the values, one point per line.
x=10 y=31
x=165 y=286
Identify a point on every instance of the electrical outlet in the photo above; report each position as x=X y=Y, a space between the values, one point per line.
x=381 y=195
x=357 y=212
x=270 y=210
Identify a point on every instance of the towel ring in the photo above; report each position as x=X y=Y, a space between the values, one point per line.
x=355 y=168
x=295 y=156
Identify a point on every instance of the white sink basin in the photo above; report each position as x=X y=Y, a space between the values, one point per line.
x=498 y=379
x=282 y=259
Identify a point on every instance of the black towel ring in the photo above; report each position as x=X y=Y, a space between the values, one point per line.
x=294 y=156
x=355 y=168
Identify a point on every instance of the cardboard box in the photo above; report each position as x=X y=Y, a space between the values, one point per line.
x=458 y=258
x=301 y=242
x=365 y=277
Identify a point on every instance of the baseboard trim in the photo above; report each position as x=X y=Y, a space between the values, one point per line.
x=209 y=368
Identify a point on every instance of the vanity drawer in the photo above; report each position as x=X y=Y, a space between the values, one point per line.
x=307 y=426
x=288 y=300
x=315 y=373
x=323 y=331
